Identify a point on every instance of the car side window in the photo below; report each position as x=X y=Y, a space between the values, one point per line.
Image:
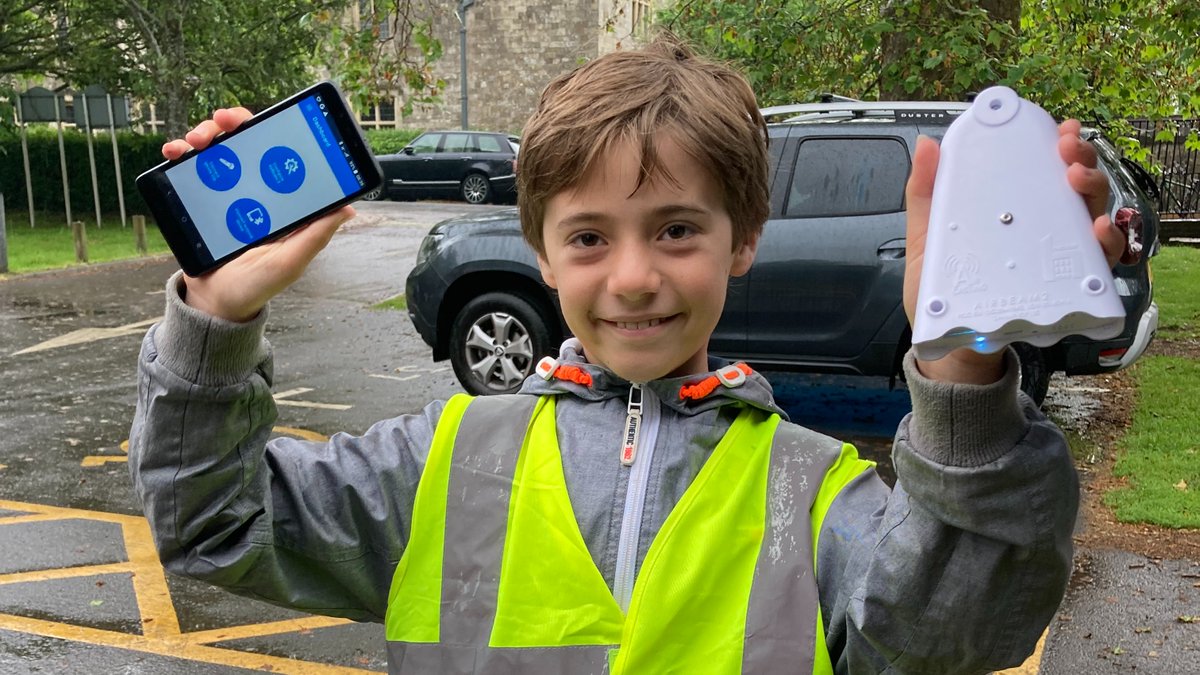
x=488 y=144
x=426 y=144
x=847 y=177
x=457 y=143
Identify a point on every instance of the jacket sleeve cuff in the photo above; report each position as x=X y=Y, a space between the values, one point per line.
x=965 y=425
x=204 y=349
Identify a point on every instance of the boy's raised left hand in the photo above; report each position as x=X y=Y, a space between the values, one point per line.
x=240 y=289
x=967 y=365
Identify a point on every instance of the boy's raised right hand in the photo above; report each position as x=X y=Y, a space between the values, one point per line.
x=238 y=290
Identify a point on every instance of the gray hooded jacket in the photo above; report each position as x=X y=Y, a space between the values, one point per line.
x=957 y=570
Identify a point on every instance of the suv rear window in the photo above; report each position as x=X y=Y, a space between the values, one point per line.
x=847 y=177
x=488 y=143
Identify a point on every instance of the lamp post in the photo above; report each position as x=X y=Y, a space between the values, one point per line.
x=461 y=13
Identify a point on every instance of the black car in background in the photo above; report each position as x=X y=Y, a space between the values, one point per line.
x=824 y=293
x=475 y=166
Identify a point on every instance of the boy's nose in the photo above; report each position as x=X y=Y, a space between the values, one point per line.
x=633 y=273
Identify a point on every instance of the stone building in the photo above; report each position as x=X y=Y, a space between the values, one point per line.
x=514 y=48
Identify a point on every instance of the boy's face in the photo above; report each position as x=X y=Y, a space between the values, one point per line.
x=642 y=275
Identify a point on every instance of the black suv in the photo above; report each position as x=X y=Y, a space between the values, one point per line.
x=824 y=294
x=476 y=166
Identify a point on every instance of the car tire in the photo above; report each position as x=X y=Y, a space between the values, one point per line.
x=475 y=189
x=1035 y=375
x=376 y=195
x=496 y=341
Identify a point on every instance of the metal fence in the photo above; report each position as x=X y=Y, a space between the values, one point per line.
x=1179 y=182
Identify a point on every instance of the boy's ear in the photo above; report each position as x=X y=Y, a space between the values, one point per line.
x=743 y=258
x=547 y=273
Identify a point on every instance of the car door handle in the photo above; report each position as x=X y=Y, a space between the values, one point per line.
x=892 y=250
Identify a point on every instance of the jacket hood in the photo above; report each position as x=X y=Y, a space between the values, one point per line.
x=753 y=390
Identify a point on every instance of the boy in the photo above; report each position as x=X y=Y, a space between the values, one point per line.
x=634 y=509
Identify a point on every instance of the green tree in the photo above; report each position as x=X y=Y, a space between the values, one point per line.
x=27 y=43
x=391 y=49
x=1101 y=60
x=945 y=48
x=191 y=56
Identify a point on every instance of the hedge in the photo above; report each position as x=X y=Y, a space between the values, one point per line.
x=138 y=153
x=389 y=141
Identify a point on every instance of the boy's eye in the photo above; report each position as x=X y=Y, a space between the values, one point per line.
x=585 y=239
x=677 y=231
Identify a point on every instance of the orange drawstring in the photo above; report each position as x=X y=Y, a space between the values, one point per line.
x=706 y=386
x=573 y=374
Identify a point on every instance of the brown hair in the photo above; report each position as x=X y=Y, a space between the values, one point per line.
x=637 y=95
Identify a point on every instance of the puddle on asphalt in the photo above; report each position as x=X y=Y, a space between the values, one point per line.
x=1072 y=402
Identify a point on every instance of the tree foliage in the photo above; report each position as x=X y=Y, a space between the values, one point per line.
x=1099 y=60
x=392 y=49
x=27 y=35
x=192 y=56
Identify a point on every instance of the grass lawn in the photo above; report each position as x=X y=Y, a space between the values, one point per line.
x=396 y=302
x=51 y=246
x=1160 y=454
x=1177 y=292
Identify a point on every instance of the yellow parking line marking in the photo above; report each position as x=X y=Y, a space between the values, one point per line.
x=28 y=518
x=264 y=629
x=65 y=573
x=1033 y=664
x=101 y=460
x=67 y=513
x=179 y=648
x=161 y=633
x=302 y=433
x=150 y=582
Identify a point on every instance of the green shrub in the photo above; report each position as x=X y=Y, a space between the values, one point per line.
x=389 y=141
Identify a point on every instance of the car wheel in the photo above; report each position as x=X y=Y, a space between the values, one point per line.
x=475 y=188
x=496 y=340
x=375 y=195
x=1035 y=376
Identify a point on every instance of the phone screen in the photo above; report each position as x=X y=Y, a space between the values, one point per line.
x=266 y=177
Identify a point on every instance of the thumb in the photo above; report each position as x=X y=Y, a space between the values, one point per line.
x=918 y=194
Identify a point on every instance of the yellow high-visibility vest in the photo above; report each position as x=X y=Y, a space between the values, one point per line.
x=496 y=577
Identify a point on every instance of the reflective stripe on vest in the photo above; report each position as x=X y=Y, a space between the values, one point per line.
x=726 y=586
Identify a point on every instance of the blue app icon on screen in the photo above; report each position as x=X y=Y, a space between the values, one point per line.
x=219 y=168
x=282 y=169
x=248 y=220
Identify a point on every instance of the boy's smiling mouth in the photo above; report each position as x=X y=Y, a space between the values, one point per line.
x=638 y=325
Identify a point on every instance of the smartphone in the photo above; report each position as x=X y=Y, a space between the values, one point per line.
x=298 y=159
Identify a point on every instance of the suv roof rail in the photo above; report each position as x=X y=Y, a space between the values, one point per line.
x=932 y=110
x=827 y=97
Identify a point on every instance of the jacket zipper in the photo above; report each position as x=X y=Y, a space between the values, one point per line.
x=637 y=452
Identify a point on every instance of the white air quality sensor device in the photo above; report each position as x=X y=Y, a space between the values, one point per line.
x=1010 y=255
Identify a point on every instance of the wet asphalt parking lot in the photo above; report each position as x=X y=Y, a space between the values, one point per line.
x=80 y=591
